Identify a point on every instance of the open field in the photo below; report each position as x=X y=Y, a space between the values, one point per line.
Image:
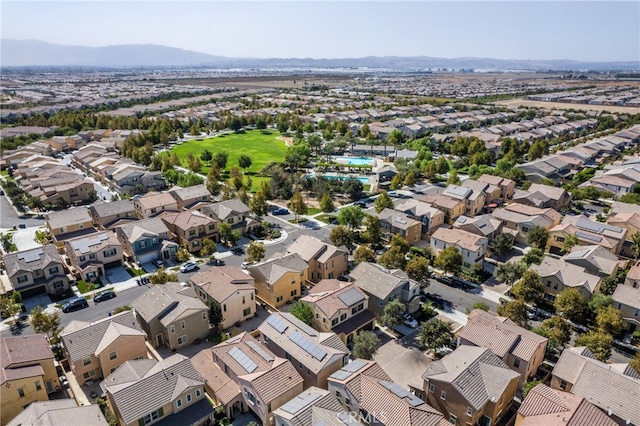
x=561 y=105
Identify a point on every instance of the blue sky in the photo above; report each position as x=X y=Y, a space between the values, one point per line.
x=578 y=30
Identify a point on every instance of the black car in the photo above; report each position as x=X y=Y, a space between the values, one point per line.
x=105 y=295
x=280 y=211
x=216 y=262
x=75 y=304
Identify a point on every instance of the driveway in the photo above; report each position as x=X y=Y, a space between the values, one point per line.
x=117 y=275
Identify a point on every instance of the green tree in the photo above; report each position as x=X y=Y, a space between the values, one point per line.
x=635 y=362
x=226 y=234
x=92 y=196
x=609 y=320
x=572 y=305
x=383 y=202
x=265 y=188
x=528 y=288
x=221 y=159
x=635 y=244
x=393 y=258
x=502 y=244
x=449 y=260
x=244 y=161
x=298 y=206
x=608 y=285
x=396 y=182
x=435 y=334
x=481 y=305
x=351 y=216
x=418 y=269
x=183 y=254
x=45 y=323
x=326 y=204
x=528 y=386
x=255 y=251
x=396 y=137
x=372 y=229
x=569 y=242
x=215 y=314
x=410 y=179
x=510 y=272
x=453 y=178
x=162 y=276
x=365 y=132
x=302 y=311
x=538 y=236
x=392 y=315
x=598 y=342
x=402 y=244
x=206 y=156
x=8 y=307
x=363 y=254
x=365 y=345
x=516 y=311
x=534 y=255
x=557 y=330
x=599 y=301
x=442 y=165
x=341 y=236
x=193 y=163
x=258 y=204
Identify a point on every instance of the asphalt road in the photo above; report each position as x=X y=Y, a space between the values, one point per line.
x=460 y=299
x=9 y=217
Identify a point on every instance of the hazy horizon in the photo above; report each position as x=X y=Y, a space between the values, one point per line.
x=600 y=31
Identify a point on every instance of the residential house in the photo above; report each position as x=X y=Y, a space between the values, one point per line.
x=315 y=355
x=633 y=277
x=36 y=271
x=473 y=199
x=279 y=280
x=471 y=385
x=90 y=256
x=190 y=228
x=522 y=218
x=556 y=275
x=69 y=223
x=627 y=300
x=232 y=288
x=507 y=186
x=58 y=412
x=72 y=189
x=242 y=374
x=394 y=222
x=543 y=196
x=111 y=214
x=452 y=207
x=325 y=260
x=314 y=406
x=483 y=225
x=472 y=247
x=232 y=212
x=95 y=350
x=153 y=204
x=172 y=315
x=492 y=193
x=551 y=407
x=610 y=387
x=340 y=307
x=28 y=373
x=383 y=286
x=630 y=222
x=191 y=197
x=144 y=392
x=595 y=259
x=146 y=240
x=588 y=233
x=429 y=217
x=363 y=387
x=520 y=349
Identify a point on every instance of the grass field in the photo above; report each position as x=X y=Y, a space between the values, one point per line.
x=261 y=146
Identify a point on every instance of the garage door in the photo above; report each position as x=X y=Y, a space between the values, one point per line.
x=33 y=291
x=112 y=264
x=146 y=258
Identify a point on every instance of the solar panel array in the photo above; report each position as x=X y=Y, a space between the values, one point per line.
x=459 y=191
x=84 y=245
x=310 y=347
x=277 y=323
x=596 y=226
x=341 y=374
x=242 y=359
x=31 y=255
x=589 y=237
x=350 y=296
x=260 y=351
x=401 y=392
x=300 y=402
x=354 y=366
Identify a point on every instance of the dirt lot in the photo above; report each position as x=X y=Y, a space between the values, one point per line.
x=561 y=105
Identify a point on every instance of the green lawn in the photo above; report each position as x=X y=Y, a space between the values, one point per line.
x=261 y=146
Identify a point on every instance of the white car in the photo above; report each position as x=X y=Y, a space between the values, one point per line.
x=188 y=267
x=409 y=320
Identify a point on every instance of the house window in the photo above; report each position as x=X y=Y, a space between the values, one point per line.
x=86 y=361
x=243 y=300
x=343 y=317
x=91 y=257
x=21 y=392
x=516 y=363
x=113 y=355
x=143 y=244
x=182 y=339
x=619 y=305
x=293 y=280
x=212 y=227
x=279 y=299
x=443 y=395
x=109 y=253
x=501 y=399
x=269 y=407
x=354 y=310
x=347 y=401
x=308 y=372
x=294 y=292
x=22 y=279
x=560 y=239
x=265 y=338
x=172 y=328
x=82 y=258
x=250 y=397
x=89 y=374
x=432 y=387
x=334 y=322
x=636 y=313
x=469 y=411
x=525 y=229
x=54 y=270
x=58 y=284
x=155 y=415
x=192 y=232
x=246 y=312
x=452 y=419
x=224 y=307
x=188 y=397
x=338 y=394
x=287 y=356
x=38 y=386
x=182 y=325
x=179 y=402
x=198 y=393
x=563 y=384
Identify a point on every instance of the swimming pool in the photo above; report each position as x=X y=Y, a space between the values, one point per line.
x=356 y=161
x=361 y=179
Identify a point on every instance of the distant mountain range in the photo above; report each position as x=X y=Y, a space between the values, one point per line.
x=29 y=53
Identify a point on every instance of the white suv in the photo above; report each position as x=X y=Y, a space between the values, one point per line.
x=188 y=267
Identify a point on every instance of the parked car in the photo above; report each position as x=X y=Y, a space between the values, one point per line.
x=188 y=267
x=216 y=262
x=105 y=295
x=22 y=226
x=75 y=304
x=63 y=381
x=360 y=203
x=238 y=251
x=158 y=262
x=245 y=265
x=280 y=211
x=393 y=194
x=409 y=321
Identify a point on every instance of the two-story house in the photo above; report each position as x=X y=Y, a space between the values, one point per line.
x=543 y=196
x=95 y=350
x=279 y=280
x=232 y=212
x=315 y=355
x=630 y=222
x=588 y=233
x=507 y=186
x=522 y=218
x=112 y=214
x=92 y=255
x=36 y=271
x=144 y=392
x=242 y=374
x=191 y=197
x=190 y=228
x=340 y=307
x=522 y=350
x=153 y=204
x=429 y=217
x=365 y=389
x=325 y=260
x=172 y=315
x=457 y=386
x=474 y=200
x=595 y=259
x=146 y=240
x=472 y=247
x=69 y=223
x=27 y=373
x=393 y=222
x=557 y=275
x=383 y=286
x=627 y=300
x=633 y=277
x=484 y=225
x=232 y=288
x=451 y=207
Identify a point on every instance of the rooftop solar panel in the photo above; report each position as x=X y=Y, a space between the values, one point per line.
x=341 y=374
x=588 y=236
x=260 y=351
x=351 y=296
x=32 y=255
x=400 y=392
x=277 y=323
x=310 y=347
x=300 y=402
x=354 y=366
x=242 y=359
